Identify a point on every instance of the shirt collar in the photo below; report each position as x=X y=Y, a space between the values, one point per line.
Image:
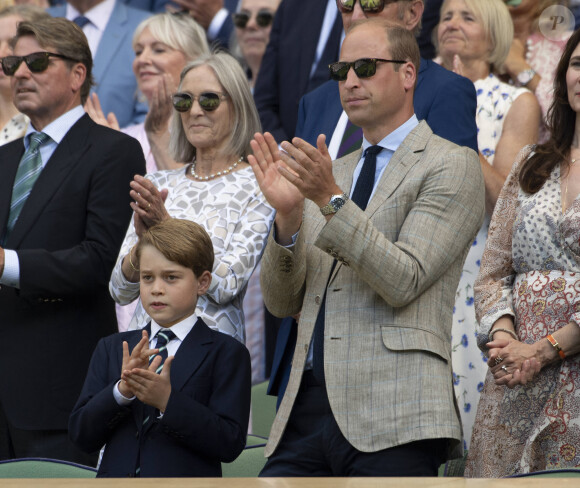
x=99 y=15
x=181 y=329
x=393 y=140
x=58 y=128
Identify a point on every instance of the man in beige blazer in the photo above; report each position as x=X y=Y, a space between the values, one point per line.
x=373 y=395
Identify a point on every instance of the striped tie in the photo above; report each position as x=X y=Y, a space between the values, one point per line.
x=29 y=169
x=164 y=337
x=351 y=139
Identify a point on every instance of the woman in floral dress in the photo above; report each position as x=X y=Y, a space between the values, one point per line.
x=528 y=303
x=473 y=38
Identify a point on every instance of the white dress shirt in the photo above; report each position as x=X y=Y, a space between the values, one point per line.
x=99 y=17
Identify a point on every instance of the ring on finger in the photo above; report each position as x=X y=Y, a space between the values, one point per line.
x=503 y=368
x=498 y=360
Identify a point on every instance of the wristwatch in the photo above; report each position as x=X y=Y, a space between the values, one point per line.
x=525 y=77
x=336 y=202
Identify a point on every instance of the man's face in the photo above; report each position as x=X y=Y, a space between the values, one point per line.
x=373 y=103
x=47 y=95
x=390 y=12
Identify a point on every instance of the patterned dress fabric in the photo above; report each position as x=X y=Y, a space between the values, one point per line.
x=530 y=270
x=234 y=212
x=494 y=99
x=14 y=129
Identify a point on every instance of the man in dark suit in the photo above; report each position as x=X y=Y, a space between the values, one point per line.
x=290 y=67
x=64 y=210
x=443 y=99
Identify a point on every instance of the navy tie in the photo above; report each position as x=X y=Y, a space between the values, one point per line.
x=81 y=21
x=360 y=196
x=164 y=337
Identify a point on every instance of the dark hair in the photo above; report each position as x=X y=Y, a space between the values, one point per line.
x=561 y=124
x=66 y=38
x=181 y=241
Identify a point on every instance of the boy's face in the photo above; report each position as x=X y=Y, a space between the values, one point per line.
x=169 y=291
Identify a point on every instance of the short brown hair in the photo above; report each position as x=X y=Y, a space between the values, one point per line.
x=402 y=42
x=66 y=38
x=181 y=241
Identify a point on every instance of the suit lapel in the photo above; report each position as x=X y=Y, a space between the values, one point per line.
x=58 y=168
x=309 y=33
x=191 y=354
x=112 y=39
x=10 y=156
x=404 y=158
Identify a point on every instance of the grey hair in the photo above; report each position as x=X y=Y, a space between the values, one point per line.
x=245 y=121
x=179 y=32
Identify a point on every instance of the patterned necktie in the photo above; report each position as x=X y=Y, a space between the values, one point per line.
x=360 y=196
x=29 y=169
x=81 y=21
x=164 y=337
x=351 y=139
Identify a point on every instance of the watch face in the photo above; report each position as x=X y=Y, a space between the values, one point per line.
x=526 y=76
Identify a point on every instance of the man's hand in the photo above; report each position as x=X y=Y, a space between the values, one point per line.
x=151 y=388
x=139 y=358
x=310 y=169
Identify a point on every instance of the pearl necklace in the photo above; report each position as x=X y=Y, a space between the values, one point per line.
x=566 y=188
x=213 y=175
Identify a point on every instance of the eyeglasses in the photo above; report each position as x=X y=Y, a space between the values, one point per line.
x=36 y=62
x=264 y=18
x=208 y=101
x=364 y=68
x=371 y=6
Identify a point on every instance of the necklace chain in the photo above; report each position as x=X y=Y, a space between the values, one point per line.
x=565 y=200
x=213 y=175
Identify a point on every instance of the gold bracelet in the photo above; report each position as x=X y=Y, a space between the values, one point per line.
x=131 y=261
x=500 y=329
x=554 y=343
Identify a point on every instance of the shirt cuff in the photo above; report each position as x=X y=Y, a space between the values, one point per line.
x=11 y=274
x=121 y=399
x=216 y=24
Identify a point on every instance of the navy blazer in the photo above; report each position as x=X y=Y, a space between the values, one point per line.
x=115 y=83
x=446 y=101
x=67 y=238
x=205 y=422
x=285 y=69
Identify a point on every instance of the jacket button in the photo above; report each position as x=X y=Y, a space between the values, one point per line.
x=317 y=300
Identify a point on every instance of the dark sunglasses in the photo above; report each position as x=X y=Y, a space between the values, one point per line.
x=263 y=18
x=36 y=62
x=364 y=68
x=208 y=101
x=371 y=6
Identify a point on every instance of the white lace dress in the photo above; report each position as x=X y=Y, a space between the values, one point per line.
x=494 y=99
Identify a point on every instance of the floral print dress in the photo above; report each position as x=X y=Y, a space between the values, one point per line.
x=494 y=99
x=531 y=271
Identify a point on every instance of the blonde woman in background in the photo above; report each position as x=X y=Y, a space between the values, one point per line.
x=163 y=44
x=474 y=37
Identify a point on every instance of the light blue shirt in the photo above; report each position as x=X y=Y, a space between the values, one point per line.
x=56 y=130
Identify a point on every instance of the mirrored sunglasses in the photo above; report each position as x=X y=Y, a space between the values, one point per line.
x=208 y=101
x=364 y=68
x=36 y=62
x=264 y=18
x=371 y=6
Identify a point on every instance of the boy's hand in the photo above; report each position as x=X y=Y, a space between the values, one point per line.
x=139 y=358
x=149 y=387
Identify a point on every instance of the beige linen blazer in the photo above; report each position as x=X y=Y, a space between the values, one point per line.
x=389 y=304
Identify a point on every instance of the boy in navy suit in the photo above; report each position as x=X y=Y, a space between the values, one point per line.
x=181 y=417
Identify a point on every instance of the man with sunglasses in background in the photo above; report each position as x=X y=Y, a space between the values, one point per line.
x=64 y=211
x=445 y=100
x=370 y=248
